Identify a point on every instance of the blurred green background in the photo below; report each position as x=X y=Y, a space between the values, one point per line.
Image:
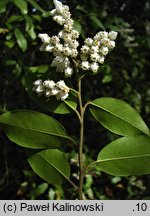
x=125 y=75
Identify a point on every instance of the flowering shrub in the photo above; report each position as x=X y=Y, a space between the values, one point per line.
x=128 y=155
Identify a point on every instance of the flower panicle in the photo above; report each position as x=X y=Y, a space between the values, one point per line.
x=65 y=46
x=94 y=50
x=50 y=88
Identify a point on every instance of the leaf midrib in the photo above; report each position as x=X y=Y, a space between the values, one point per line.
x=55 y=167
x=122 y=158
x=44 y=132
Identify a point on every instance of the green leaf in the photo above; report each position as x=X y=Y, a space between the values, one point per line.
x=96 y=22
x=81 y=8
x=22 y=5
x=10 y=44
x=29 y=22
x=30 y=27
x=39 y=190
x=14 y=18
x=66 y=106
x=126 y=156
x=3 y=4
x=36 y=6
x=51 y=165
x=33 y=129
x=71 y=101
x=78 y=27
x=118 y=116
x=21 y=40
x=37 y=18
x=107 y=79
x=9 y=62
x=39 y=69
x=32 y=33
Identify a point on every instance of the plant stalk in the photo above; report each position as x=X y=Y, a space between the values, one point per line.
x=81 y=168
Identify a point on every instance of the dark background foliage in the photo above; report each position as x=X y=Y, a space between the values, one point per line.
x=124 y=75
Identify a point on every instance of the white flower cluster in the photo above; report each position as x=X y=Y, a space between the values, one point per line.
x=64 y=45
x=50 y=88
x=94 y=50
x=64 y=48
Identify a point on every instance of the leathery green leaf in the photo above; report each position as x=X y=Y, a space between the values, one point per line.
x=118 y=116
x=51 y=165
x=126 y=156
x=33 y=129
